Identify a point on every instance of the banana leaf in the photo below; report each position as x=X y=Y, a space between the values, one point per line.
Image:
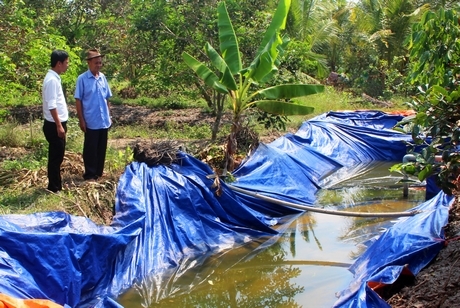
x=283 y=108
x=286 y=91
x=281 y=49
x=228 y=42
x=267 y=55
x=204 y=73
x=227 y=77
x=278 y=22
x=264 y=63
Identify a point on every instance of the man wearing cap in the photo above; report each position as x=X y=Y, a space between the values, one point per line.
x=93 y=109
x=55 y=114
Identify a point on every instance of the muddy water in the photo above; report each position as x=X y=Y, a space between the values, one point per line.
x=306 y=265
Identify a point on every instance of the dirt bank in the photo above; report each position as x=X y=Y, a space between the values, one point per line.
x=436 y=285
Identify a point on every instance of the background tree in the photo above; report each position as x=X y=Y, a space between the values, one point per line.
x=143 y=41
x=435 y=70
x=313 y=27
x=27 y=41
x=375 y=56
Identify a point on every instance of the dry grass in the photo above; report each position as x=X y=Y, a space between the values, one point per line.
x=93 y=200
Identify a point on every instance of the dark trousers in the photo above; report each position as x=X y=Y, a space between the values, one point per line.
x=56 y=150
x=94 y=149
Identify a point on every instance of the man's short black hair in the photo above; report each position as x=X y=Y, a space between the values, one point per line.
x=58 y=56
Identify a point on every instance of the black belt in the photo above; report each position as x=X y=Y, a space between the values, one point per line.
x=63 y=122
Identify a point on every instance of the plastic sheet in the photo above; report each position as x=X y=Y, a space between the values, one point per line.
x=410 y=245
x=350 y=144
x=169 y=219
x=10 y=302
x=184 y=224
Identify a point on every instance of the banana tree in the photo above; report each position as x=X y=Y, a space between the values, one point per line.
x=243 y=85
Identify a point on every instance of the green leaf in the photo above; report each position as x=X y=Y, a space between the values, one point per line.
x=204 y=73
x=424 y=173
x=291 y=91
x=278 y=23
x=438 y=89
x=395 y=168
x=263 y=65
x=268 y=59
x=227 y=77
x=283 y=108
x=228 y=41
x=455 y=95
x=409 y=169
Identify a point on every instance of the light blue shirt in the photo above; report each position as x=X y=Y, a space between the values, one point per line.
x=93 y=93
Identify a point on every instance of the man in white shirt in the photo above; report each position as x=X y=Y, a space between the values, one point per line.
x=55 y=114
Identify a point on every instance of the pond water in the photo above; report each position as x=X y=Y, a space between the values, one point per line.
x=305 y=266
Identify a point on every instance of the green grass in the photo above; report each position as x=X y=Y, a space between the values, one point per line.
x=18 y=98
x=33 y=161
x=170 y=102
x=29 y=201
x=170 y=130
x=332 y=100
x=9 y=135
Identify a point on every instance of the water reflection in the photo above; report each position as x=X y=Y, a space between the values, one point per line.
x=262 y=280
x=304 y=267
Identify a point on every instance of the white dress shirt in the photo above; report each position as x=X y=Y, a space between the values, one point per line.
x=53 y=97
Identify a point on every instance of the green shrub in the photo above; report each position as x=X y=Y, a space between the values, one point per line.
x=4 y=113
x=169 y=102
x=115 y=100
x=10 y=136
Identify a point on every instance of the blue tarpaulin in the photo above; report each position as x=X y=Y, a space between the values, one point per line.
x=170 y=219
x=410 y=245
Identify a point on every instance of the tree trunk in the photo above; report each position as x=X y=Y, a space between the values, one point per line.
x=232 y=146
x=219 y=100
